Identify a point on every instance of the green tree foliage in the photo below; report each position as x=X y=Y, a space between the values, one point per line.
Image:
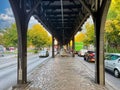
x=89 y=35
x=1 y=39
x=10 y=36
x=38 y=36
x=112 y=27
x=114 y=9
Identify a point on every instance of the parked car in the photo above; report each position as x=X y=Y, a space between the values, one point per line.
x=82 y=52
x=112 y=63
x=89 y=56
x=44 y=53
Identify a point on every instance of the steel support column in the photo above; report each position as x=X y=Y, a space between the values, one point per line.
x=99 y=23
x=73 y=47
x=58 y=48
x=22 y=54
x=53 y=55
x=22 y=25
x=69 y=47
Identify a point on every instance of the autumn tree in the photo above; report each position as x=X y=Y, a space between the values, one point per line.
x=112 y=27
x=38 y=36
x=89 y=35
x=10 y=36
x=80 y=37
x=114 y=9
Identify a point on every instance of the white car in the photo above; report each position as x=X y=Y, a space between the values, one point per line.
x=112 y=63
x=44 y=53
x=82 y=52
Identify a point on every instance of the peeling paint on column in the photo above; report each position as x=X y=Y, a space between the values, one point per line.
x=20 y=74
x=20 y=70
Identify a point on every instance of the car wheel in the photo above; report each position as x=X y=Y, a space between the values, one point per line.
x=116 y=73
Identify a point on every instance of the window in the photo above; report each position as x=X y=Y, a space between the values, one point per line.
x=111 y=57
x=107 y=57
x=114 y=57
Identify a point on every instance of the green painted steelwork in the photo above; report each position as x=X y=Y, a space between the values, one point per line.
x=78 y=46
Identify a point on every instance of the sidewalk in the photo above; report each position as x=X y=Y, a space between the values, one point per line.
x=62 y=73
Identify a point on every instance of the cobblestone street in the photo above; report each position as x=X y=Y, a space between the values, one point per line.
x=62 y=73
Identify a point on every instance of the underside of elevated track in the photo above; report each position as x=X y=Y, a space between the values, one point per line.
x=63 y=19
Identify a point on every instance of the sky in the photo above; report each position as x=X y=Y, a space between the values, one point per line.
x=7 y=17
x=3 y=5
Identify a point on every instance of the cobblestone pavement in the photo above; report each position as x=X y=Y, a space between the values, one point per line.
x=62 y=73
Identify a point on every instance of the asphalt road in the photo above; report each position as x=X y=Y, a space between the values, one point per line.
x=8 y=69
x=109 y=77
